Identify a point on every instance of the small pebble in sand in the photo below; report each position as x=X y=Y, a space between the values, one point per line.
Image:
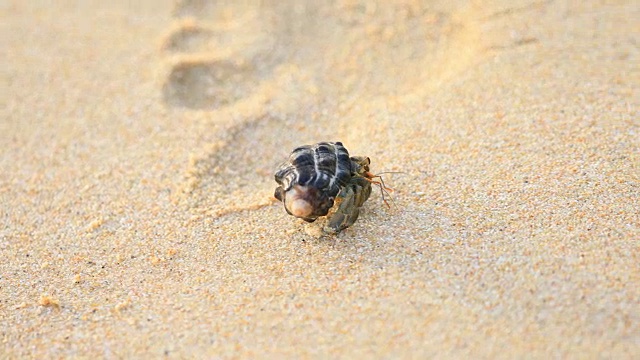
x=48 y=301
x=122 y=306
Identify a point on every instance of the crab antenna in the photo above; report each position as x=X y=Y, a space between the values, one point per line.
x=370 y=178
x=389 y=172
x=384 y=190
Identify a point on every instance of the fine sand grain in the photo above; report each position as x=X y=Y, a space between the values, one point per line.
x=139 y=140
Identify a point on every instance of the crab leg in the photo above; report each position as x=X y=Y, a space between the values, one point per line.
x=352 y=197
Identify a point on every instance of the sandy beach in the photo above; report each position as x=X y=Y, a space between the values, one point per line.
x=139 y=141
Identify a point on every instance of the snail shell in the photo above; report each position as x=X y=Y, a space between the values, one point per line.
x=311 y=178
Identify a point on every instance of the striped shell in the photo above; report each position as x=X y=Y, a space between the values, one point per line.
x=312 y=177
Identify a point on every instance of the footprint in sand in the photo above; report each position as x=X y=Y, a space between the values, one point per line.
x=223 y=60
x=221 y=53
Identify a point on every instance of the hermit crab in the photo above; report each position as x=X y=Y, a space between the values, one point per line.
x=323 y=180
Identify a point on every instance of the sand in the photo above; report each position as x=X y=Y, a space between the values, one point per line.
x=139 y=141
